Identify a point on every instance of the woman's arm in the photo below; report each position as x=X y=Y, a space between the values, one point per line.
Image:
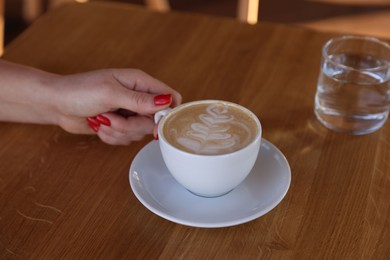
x=27 y=95
x=85 y=103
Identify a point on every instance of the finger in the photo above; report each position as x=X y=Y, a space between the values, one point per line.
x=112 y=140
x=155 y=131
x=139 y=81
x=176 y=99
x=137 y=125
x=144 y=103
x=123 y=131
x=110 y=136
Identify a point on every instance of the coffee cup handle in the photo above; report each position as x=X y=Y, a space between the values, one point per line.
x=161 y=114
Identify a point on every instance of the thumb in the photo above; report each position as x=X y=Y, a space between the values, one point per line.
x=145 y=103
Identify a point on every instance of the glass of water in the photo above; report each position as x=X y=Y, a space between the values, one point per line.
x=353 y=90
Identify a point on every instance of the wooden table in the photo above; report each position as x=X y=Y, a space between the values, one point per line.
x=64 y=196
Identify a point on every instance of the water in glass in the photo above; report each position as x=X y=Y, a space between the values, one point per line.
x=353 y=101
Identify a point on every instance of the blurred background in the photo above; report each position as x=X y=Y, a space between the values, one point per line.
x=368 y=17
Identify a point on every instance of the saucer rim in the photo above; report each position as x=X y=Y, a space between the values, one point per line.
x=217 y=224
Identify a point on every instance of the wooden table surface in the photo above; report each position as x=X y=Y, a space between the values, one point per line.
x=65 y=196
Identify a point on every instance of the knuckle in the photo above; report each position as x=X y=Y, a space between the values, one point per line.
x=124 y=129
x=140 y=99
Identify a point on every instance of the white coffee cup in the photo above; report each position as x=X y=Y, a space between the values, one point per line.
x=208 y=175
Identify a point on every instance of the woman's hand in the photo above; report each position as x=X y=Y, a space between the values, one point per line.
x=117 y=104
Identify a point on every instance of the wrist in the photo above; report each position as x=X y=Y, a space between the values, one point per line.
x=27 y=94
x=50 y=98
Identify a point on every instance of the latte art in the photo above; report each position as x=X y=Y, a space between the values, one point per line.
x=210 y=135
x=215 y=128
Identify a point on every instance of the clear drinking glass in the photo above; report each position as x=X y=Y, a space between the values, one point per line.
x=353 y=90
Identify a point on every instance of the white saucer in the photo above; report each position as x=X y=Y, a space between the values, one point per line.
x=260 y=192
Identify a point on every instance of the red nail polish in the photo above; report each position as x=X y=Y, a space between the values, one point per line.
x=93 y=121
x=104 y=120
x=162 y=100
x=156 y=137
x=94 y=127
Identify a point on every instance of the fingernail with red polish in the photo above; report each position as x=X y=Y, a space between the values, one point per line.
x=103 y=120
x=156 y=137
x=93 y=120
x=94 y=127
x=162 y=100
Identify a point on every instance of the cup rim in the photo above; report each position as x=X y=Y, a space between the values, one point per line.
x=253 y=115
x=326 y=55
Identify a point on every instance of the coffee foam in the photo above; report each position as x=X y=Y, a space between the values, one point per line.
x=215 y=130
